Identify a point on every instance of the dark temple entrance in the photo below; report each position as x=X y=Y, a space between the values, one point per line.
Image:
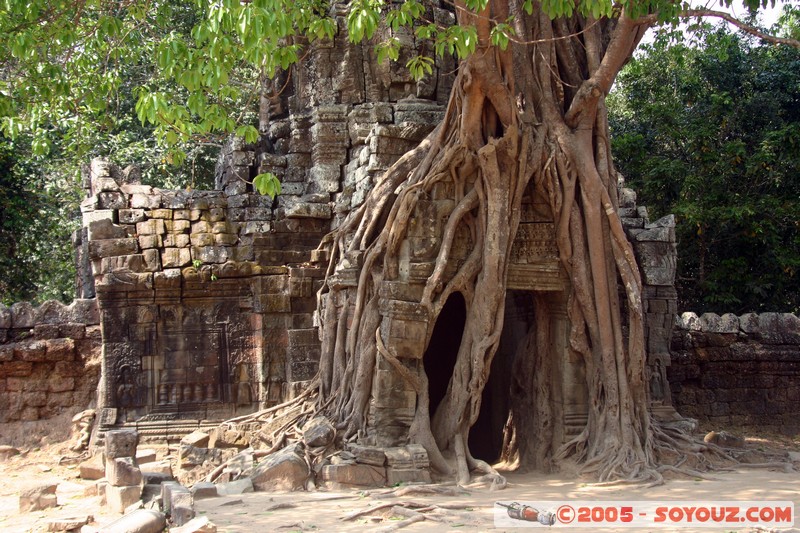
x=486 y=435
x=440 y=357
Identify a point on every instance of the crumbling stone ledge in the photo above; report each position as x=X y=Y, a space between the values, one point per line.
x=738 y=370
x=49 y=359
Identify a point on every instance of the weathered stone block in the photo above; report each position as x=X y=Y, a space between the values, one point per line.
x=176 y=240
x=190 y=456
x=92 y=468
x=6 y=352
x=23 y=315
x=226 y=239
x=175 y=495
x=58 y=383
x=318 y=432
x=123 y=471
x=201 y=226
x=201 y=239
x=196 y=438
x=200 y=524
x=121 y=443
x=175 y=257
x=151 y=227
x=30 y=350
x=210 y=254
x=240 y=486
x=145 y=201
x=67 y=523
x=111 y=200
x=283 y=470
x=16 y=369
x=355 y=474
x=165 y=214
x=150 y=241
x=113 y=247
x=131 y=216
x=106 y=229
x=38 y=498
x=177 y=226
x=203 y=490
x=407 y=475
x=368 y=455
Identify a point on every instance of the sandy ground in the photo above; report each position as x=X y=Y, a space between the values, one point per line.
x=323 y=511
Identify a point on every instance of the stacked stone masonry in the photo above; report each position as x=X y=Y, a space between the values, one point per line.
x=207 y=299
x=49 y=359
x=738 y=371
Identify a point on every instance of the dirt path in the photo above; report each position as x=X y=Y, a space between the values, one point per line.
x=322 y=511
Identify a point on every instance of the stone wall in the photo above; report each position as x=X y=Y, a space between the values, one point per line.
x=738 y=370
x=49 y=359
x=207 y=299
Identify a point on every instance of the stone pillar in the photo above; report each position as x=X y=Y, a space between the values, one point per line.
x=656 y=252
x=124 y=486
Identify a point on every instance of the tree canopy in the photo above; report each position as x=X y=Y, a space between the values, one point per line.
x=195 y=68
x=710 y=130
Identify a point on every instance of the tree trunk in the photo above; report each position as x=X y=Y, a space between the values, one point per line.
x=532 y=116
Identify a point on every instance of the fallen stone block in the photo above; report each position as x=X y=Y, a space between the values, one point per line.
x=224 y=438
x=283 y=470
x=68 y=523
x=181 y=514
x=174 y=495
x=156 y=478
x=240 y=486
x=145 y=455
x=92 y=468
x=368 y=455
x=190 y=456
x=318 y=432
x=123 y=472
x=200 y=524
x=203 y=489
x=163 y=468
x=355 y=474
x=120 y=498
x=38 y=498
x=197 y=438
x=7 y=452
x=121 y=443
x=407 y=475
x=151 y=492
x=139 y=521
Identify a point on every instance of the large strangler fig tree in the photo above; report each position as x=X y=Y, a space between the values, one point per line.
x=529 y=115
x=527 y=112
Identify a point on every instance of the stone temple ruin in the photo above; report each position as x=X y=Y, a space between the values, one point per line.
x=201 y=306
x=207 y=299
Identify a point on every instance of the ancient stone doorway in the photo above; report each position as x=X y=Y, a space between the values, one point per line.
x=440 y=356
x=486 y=435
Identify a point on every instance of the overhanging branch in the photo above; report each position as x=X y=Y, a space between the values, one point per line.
x=727 y=17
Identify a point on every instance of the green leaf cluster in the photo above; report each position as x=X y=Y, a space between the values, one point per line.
x=710 y=131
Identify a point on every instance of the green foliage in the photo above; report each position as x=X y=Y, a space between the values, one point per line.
x=711 y=132
x=267 y=184
x=164 y=82
x=38 y=214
